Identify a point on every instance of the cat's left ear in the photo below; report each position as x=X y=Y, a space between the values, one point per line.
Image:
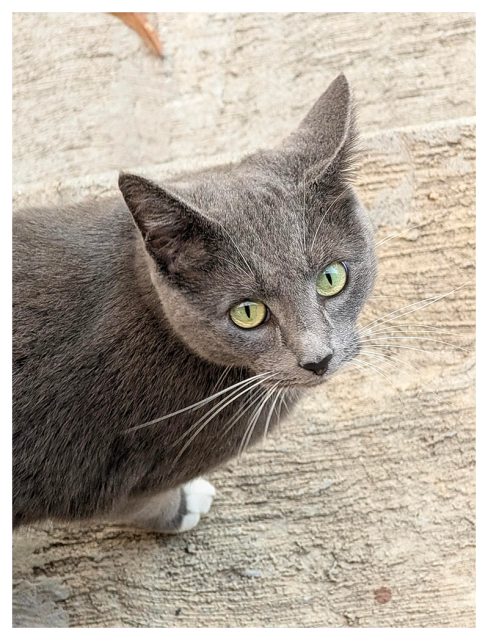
x=325 y=142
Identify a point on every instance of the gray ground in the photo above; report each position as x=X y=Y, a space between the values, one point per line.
x=367 y=494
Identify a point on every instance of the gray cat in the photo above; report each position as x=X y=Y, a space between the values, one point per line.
x=157 y=338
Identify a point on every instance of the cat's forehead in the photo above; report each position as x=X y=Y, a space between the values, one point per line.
x=270 y=219
x=272 y=215
x=245 y=195
x=264 y=217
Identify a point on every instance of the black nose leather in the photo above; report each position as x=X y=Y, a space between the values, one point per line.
x=318 y=368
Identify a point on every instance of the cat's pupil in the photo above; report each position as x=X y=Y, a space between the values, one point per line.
x=248 y=310
x=329 y=278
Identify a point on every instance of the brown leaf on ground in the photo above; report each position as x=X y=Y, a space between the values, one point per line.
x=143 y=27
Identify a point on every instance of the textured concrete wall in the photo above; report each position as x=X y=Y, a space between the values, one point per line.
x=368 y=490
x=88 y=97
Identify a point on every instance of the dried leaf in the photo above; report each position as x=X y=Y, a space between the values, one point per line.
x=143 y=27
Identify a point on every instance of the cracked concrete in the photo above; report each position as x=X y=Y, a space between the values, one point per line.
x=359 y=511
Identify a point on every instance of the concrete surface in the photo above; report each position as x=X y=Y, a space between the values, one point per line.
x=360 y=511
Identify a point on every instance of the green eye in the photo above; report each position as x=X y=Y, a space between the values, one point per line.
x=248 y=314
x=332 y=280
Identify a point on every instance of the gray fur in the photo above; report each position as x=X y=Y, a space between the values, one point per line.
x=117 y=324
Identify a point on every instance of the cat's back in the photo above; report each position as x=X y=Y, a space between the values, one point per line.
x=63 y=243
x=64 y=260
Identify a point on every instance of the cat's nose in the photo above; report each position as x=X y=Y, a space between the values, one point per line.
x=319 y=368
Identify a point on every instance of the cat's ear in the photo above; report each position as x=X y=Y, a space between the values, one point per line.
x=174 y=232
x=324 y=143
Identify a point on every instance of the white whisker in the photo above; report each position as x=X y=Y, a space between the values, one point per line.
x=221 y=408
x=196 y=405
x=221 y=378
x=430 y=328
x=380 y=371
x=410 y=376
x=387 y=355
x=255 y=418
x=325 y=214
x=398 y=346
x=213 y=411
x=266 y=426
x=398 y=234
x=238 y=250
x=247 y=405
x=450 y=344
x=284 y=402
x=280 y=406
x=304 y=220
x=234 y=265
x=411 y=333
x=428 y=301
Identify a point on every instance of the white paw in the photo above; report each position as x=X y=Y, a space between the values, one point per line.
x=189 y=521
x=199 y=495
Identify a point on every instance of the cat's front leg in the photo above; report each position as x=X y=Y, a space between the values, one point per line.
x=172 y=511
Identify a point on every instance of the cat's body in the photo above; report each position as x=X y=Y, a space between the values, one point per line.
x=101 y=362
x=117 y=324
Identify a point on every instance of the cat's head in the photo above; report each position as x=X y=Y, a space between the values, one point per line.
x=266 y=264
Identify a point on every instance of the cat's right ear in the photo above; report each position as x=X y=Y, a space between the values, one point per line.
x=174 y=232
